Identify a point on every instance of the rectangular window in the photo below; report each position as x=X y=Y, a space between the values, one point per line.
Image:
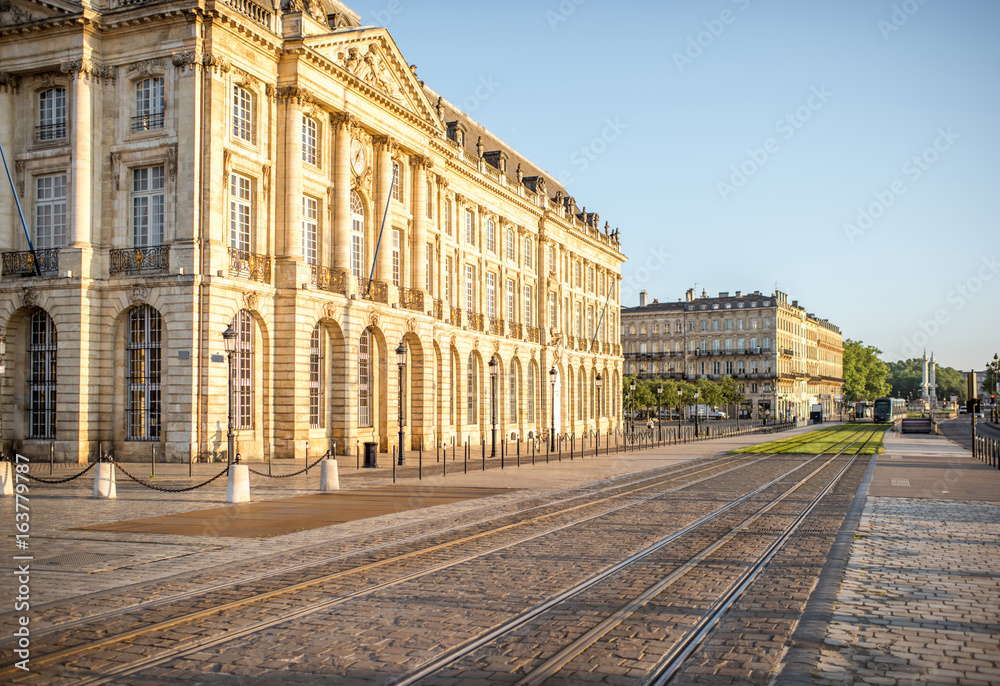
x=528 y=310
x=396 y=266
x=590 y=325
x=243 y=114
x=510 y=245
x=578 y=320
x=357 y=255
x=511 y=313
x=429 y=268
x=430 y=200
x=51 y=114
x=315 y=380
x=491 y=295
x=148 y=105
x=553 y=321
x=491 y=237
x=447 y=217
x=528 y=252
x=310 y=228
x=50 y=211
x=310 y=141
x=590 y=279
x=552 y=259
x=397 y=183
x=577 y=275
x=240 y=212
x=470 y=288
x=468 y=228
x=147 y=207
x=244 y=370
x=447 y=279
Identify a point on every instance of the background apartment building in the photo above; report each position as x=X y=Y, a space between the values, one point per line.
x=187 y=166
x=785 y=359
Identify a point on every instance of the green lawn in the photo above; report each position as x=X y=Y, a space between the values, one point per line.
x=827 y=440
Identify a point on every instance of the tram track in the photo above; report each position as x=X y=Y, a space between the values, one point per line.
x=686 y=476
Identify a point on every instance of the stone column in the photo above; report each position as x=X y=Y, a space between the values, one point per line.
x=82 y=164
x=383 y=271
x=342 y=194
x=420 y=200
x=290 y=116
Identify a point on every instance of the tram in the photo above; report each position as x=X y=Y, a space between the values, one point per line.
x=889 y=409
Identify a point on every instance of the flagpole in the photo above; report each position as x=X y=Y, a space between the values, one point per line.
x=378 y=243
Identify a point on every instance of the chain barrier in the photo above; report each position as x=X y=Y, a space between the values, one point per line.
x=286 y=476
x=61 y=481
x=160 y=488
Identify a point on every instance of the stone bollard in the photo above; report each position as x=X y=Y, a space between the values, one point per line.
x=104 y=480
x=238 y=488
x=329 y=478
x=6 y=478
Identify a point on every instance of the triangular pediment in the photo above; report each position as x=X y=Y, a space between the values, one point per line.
x=371 y=56
x=14 y=12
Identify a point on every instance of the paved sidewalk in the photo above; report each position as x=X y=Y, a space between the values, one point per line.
x=919 y=601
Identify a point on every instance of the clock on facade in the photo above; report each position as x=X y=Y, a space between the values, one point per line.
x=358 y=161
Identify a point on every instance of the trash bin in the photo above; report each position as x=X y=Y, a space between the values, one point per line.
x=371 y=455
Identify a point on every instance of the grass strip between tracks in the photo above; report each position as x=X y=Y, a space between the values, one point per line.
x=827 y=440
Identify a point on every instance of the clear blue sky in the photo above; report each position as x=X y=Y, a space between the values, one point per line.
x=819 y=107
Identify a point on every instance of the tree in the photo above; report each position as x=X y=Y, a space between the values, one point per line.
x=864 y=372
x=905 y=377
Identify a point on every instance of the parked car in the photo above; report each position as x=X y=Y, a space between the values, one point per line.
x=716 y=414
x=963 y=410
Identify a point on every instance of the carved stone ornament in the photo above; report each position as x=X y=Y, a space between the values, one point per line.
x=265 y=173
x=211 y=62
x=411 y=325
x=295 y=94
x=9 y=83
x=557 y=358
x=329 y=311
x=373 y=319
x=250 y=300
x=139 y=295
x=172 y=160
x=47 y=78
x=454 y=341
x=496 y=346
x=145 y=67
x=475 y=344
x=517 y=349
x=372 y=68
x=183 y=60
x=227 y=162
x=19 y=171
x=29 y=297
x=17 y=14
x=116 y=158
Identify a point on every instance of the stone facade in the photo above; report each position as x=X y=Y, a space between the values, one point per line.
x=785 y=359
x=183 y=167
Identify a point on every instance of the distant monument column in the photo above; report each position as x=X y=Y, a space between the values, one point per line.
x=932 y=383
x=923 y=380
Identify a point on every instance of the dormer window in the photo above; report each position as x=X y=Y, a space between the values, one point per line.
x=456 y=132
x=51 y=114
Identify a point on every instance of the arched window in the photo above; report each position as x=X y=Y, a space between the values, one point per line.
x=453 y=395
x=472 y=395
x=365 y=380
x=42 y=376
x=315 y=379
x=581 y=385
x=357 y=236
x=244 y=370
x=512 y=383
x=531 y=392
x=144 y=373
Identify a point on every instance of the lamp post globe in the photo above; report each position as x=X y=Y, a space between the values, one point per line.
x=229 y=338
x=493 y=404
x=401 y=363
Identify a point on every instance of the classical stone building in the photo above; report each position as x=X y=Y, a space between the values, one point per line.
x=785 y=359
x=187 y=166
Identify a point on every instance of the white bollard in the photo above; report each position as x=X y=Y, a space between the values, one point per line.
x=238 y=490
x=329 y=478
x=104 y=480
x=7 y=478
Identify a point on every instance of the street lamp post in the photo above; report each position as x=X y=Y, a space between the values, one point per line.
x=493 y=404
x=696 y=395
x=680 y=394
x=229 y=336
x=401 y=363
x=552 y=434
x=659 y=403
x=599 y=381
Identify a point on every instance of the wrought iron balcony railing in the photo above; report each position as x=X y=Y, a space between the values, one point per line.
x=439 y=309
x=23 y=263
x=516 y=330
x=456 y=316
x=374 y=290
x=476 y=321
x=531 y=334
x=154 y=258
x=50 y=132
x=496 y=326
x=331 y=280
x=411 y=299
x=247 y=265
x=147 y=122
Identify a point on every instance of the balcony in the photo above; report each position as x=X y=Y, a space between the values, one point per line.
x=439 y=309
x=147 y=122
x=496 y=326
x=476 y=321
x=50 y=132
x=252 y=10
x=531 y=334
x=376 y=291
x=326 y=279
x=606 y=348
x=247 y=265
x=456 y=316
x=152 y=259
x=516 y=330
x=411 y=299
x=23 y=263
x=788 y=352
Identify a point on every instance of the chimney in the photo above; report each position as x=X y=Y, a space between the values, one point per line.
x=795 y=303
x=642 y=298
x=655 y=301
x=739 y=294
x=704 y=293
x=689 y=295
